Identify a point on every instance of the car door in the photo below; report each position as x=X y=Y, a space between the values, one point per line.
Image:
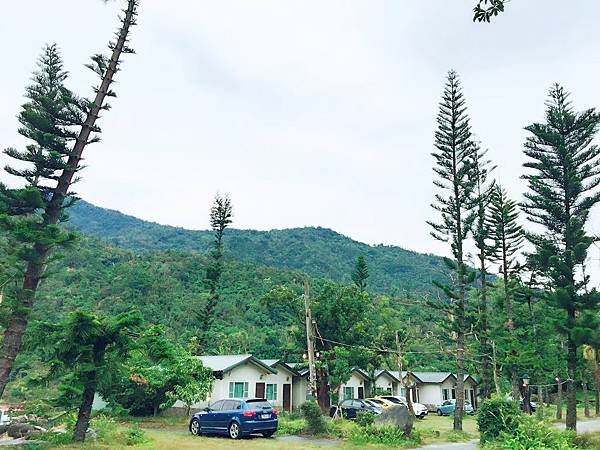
x=208 y=420
x=227 y=412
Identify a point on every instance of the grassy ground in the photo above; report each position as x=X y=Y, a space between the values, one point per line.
x=170 y=433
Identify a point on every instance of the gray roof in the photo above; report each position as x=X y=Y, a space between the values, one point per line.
x=223 y=363
x=432 y=377
x=274 y=362
x=391 y=374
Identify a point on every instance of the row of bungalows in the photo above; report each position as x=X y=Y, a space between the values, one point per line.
x=428 y=388
x=285 y=385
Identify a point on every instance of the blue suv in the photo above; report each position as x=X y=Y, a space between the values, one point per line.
x=236 y=418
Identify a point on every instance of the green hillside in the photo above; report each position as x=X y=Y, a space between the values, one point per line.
x=319 y=252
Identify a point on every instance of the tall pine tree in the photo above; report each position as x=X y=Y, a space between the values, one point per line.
x=221 y=214
x=483 y=191
x=507 y=237
x=360 y=274
x=563 y=179
x=59 y=126
x=454 y=155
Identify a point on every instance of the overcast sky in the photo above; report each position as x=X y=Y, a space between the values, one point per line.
x=307 y=112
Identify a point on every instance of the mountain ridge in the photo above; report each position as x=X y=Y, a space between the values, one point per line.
x=317 y=251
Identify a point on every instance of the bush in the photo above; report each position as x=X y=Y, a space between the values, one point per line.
x=290 y=426
x=385 y=434
x=315 y=423
x=134 y=435
x=533 y=434
x=365 y=419
x=495 y=416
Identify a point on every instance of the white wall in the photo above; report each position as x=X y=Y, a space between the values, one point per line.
x=355 y=381
x=299 y=391
x=282 y=377
x=384 y=381
x=430 y=395
x=249 y=373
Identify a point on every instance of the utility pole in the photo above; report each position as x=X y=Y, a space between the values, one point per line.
x=559 y=399
x=407 y=387
x=310 y=342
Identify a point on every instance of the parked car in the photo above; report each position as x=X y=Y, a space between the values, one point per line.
x=532 y=406
x=4 y=418
x=420 y=410
x=447 y=408
x=351 y=407
x=236 y=418
x=380 y=402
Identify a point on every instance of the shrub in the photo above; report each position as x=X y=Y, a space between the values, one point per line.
x=134 y=435
x=385 y=434
x=365 y=419
x=495 y=416
x=533 y=434
x=315 y=423
x=290 y=426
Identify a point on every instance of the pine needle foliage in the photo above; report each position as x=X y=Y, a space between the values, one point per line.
x=484 y=187
x=454 y=161
x=59 y=126
x=360 y=274
x=563 y=179
x=221 y=216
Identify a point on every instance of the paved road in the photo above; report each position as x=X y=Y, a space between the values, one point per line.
x=469 y=445
x=583 y=426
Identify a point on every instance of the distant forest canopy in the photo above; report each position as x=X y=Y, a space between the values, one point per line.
x=318 y=252
x=168 y=287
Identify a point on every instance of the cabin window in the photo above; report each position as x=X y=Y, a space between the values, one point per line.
x=238 y=389
x=271 y=392
x=348 y=392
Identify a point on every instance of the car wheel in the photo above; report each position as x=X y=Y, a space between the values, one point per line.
x=439 y=412
x=234 y=430
x=195 y=427
x=268 y=434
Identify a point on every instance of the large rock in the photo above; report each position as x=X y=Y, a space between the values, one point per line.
x=19 y=430
x=397 y=416
x=3 y=429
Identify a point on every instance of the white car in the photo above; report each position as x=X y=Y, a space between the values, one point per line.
x=420 y=410
x=4 y=418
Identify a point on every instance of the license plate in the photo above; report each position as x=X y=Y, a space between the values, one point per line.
x=265 y=416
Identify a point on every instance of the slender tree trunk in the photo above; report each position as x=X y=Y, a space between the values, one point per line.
x=597 y=378
x=495 y=368
x=322 y=391
x=586 y=399
x=17 y=323
x=460 y=352
x=571 y=420
x=85 y=410
x=486 y=376
x=559 y=399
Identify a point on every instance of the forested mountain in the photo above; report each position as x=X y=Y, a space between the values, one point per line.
x=169 y=289
x=319 y=252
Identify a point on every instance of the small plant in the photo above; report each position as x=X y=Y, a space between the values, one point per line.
x=495 y=416
x=365 y=419
x=290 y=426
x=134 y=435
x=533 y=434
x=385 y=434
x=315 y=423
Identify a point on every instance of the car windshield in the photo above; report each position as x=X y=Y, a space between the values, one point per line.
x=393 y=400
x=256 y=405
x=378 y=402
x=370 y=403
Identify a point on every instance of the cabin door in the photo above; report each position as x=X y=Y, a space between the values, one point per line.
x=260 y=390
x=287 y=397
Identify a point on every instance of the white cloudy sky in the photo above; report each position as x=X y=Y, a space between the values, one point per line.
x=308 y=112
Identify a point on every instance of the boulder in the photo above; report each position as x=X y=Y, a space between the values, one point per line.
x=3 y=429
x=19 y=430
x=397 y=416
